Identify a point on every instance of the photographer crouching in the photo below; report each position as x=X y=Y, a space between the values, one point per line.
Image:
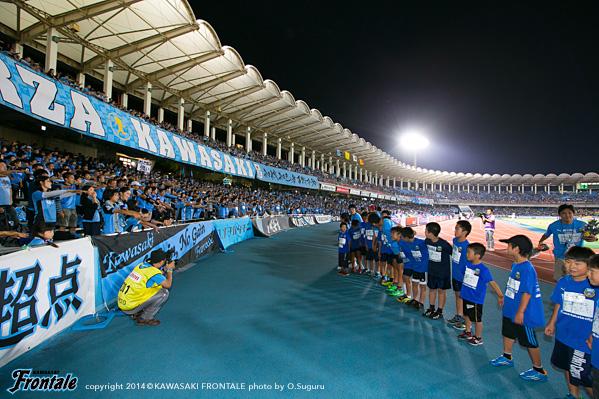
x=145 y=291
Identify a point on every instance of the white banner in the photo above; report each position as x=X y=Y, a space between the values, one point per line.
x=144 y=166
x=353 y=191
x=43 y=290
x=327 y=187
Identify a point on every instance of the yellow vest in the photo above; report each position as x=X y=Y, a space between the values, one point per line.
x=134 y=291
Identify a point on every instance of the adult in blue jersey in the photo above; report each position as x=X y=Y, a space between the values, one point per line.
x=353 y=214
x=90 y=208
x=68 y=205
x=110 y=212
x=566 y=233
x=44 y=201
x=6 y=193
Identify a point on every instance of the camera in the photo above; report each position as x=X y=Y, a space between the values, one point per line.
x=169 y=256
x=479 y=215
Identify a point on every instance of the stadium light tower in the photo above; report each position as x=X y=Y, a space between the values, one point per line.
x=414 y=142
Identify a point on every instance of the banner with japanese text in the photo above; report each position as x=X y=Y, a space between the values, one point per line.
x=51 y=101
x=43 y=290
x=232 y=231
x=119 y=254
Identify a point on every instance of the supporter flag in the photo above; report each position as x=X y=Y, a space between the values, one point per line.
x=361 y=162
x=354 y=158
x=338 y=153
x=346 y=155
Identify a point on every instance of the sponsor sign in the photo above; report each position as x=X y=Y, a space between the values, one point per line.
x=343 y=190
x=327 y=187
x=353 y=191
x=322 y=219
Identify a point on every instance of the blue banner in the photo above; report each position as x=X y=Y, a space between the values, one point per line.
x=232 y=231
x=119 y=254
x=53 y=102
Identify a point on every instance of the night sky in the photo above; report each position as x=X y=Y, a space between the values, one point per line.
x=496 y=88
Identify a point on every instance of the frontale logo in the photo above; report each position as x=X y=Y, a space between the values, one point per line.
x=55 y=383
x=273 y=226
x=117 y=127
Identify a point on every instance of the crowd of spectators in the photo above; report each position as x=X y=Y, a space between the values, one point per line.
x=445 y=197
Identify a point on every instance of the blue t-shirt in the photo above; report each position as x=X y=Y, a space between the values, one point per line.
x=356 y=216
x=595 y=347
x=476 y=278
x=344 y=241
x=523 y=279
x=403 y=249
x=439 y=258
x=577 y=300
x=417 y=253
x=565 y=236
x=5 y=187
x=369 y=235
x=386 y=235
x=69 y=202
x=458 y=259
x=45 y=208
x=354 y=235
x=363 y=226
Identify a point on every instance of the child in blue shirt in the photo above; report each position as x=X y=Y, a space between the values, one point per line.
x=363 y=226
x=593 y=341
x=522 y=309
x=344 y=242
x=439 y=270
x=417 y=252
x=371 y=244
x=572 y=321
x=355 y=235
x=458 y=267
x=474 y=289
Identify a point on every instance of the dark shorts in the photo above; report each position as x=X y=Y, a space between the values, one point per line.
x=408 y=272
x=473 y=311
x=363 y=251
x=525 y=335
x=392 y=258
x=384 y=256
x=419 y=277
x=343 y=260
x=456 y=285
x=355 y=251
x=595 y=382
x=574 y=361
x=438 y=283
x=372 y=255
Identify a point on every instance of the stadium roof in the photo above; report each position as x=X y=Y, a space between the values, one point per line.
x=162 y=42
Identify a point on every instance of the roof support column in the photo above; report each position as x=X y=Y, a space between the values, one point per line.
x=213 y=133
x=181 y=114
x=331 y=166
x=51 y=49
x=248 y=139
x=344 y=170
x=189 y=125
x=535 y=188
x=313 y=159
x=81 y=81
x=160 y=115
x=265 y=144
x=322 y=162
x=499 y=189
x=233 y=139
x=337 y=169
x=230 y=133
x=19 y=49
x=370 y=177
x=477 y=188
x=468 y=187
x=291 y=155
x=350 y=171
x=561 y=188
x=511 y=189
x=108 y=74
x=388 y=181
x=148 y=99
x=124 y=96
x=303 y=158
x=279 y=148
x=207 y=124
